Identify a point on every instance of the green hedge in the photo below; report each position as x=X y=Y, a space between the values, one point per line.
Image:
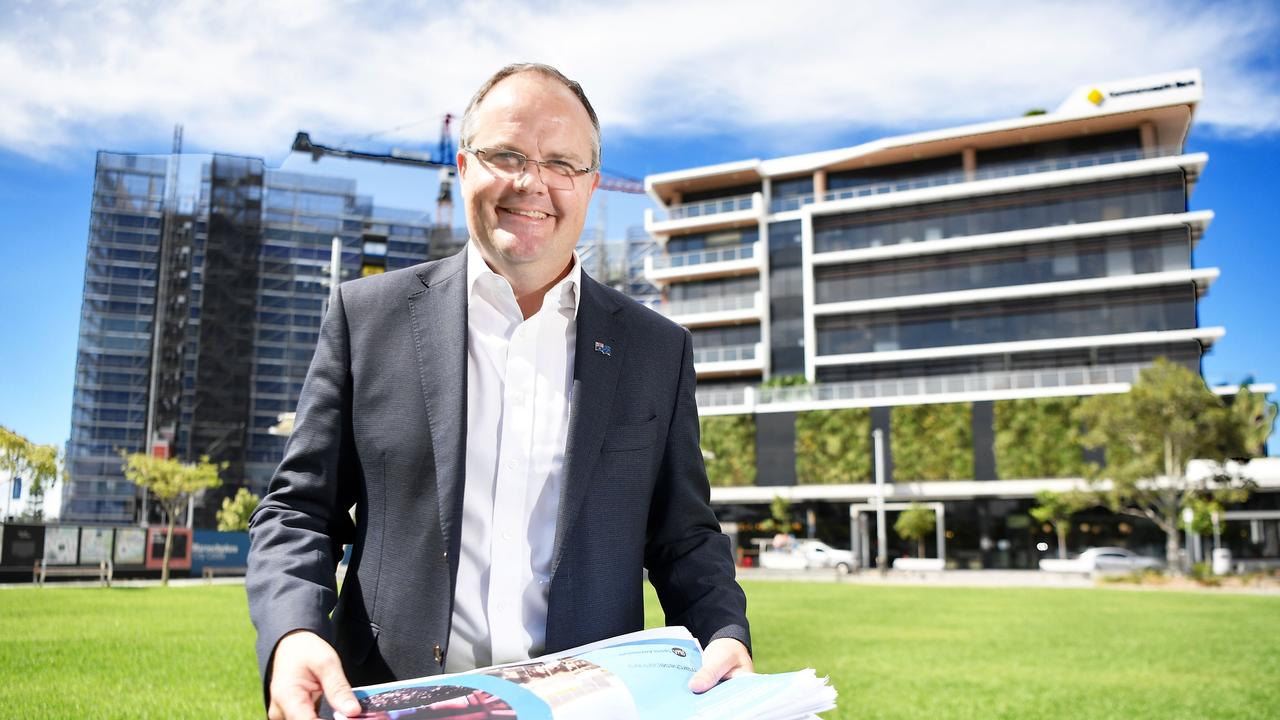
x=1036 y=438
x=932 y=442
x=729 y=449
x=833 y=446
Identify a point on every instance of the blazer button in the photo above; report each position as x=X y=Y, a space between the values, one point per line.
x=439 y=656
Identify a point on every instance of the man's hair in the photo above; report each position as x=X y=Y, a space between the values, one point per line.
x=468 y=130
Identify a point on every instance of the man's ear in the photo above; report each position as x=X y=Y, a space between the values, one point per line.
x=461 y=159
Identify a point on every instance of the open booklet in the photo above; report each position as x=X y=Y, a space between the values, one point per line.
x=631 y=677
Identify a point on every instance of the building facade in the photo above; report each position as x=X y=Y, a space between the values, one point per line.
x=954 y=291
x=206 y=278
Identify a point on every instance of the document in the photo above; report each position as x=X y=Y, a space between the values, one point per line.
x=639 y=676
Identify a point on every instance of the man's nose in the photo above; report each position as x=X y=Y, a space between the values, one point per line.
x=530 y=180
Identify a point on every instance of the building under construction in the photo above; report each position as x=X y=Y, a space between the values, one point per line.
x=230 y=262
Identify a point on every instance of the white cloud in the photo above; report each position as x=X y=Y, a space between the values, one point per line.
x=243 y=76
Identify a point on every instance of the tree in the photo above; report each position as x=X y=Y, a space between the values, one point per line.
x=42 y=473
x=1057 y=509
x=235 y=512
x=915 y=523
x=729 y=449
x=779 y=520
x=832 y=447
x=171 y=483
x=1168 y=418
x=38 y=464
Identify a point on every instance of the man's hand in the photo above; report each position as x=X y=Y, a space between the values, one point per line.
x=304 y=667
x=721 y=660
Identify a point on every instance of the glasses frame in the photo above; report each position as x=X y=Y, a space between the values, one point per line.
x=576 y=172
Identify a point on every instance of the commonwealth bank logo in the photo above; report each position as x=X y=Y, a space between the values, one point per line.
x=1095 y=96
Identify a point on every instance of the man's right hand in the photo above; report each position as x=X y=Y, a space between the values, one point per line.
x=304 y=668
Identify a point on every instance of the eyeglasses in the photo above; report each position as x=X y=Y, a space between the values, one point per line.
x=511 y=164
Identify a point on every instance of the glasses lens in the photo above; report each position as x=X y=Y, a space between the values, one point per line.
x=555 y=174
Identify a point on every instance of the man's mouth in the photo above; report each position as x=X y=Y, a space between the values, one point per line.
x=535 y=214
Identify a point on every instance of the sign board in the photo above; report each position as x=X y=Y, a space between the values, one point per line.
x=179 y=555
x=61 y=544
x=21 y=545
x=210 y=548
x=95 y=544
x=131 y=546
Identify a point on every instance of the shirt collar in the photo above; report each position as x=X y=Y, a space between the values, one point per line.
x=569 y=288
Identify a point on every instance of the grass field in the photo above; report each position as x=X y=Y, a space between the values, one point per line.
x=892 y=652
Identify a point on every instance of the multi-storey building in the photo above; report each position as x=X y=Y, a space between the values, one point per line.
x=932 y=286
x=231 y=268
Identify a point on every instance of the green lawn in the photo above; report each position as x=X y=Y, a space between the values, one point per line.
x=890 y=651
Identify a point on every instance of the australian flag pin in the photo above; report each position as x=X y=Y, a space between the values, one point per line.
x=606 y=350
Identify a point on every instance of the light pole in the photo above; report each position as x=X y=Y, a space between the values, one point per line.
x=882 y=553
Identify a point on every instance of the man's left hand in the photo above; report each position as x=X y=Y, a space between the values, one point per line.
x=721 y=660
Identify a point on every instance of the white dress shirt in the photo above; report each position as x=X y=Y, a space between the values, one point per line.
x=519 y=375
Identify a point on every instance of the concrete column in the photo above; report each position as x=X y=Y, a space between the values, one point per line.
x=881 y=420
x=984 y=452
x=819 y=185
x=1147 y=131
x=776 y=448
x=970 y=158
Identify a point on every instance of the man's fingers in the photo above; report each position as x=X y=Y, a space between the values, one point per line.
x=722 y=659
x=337 y=689
x=292 y=703
x=705 y=679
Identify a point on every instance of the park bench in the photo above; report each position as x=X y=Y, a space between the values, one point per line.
x=103 y=571
x=209 y=572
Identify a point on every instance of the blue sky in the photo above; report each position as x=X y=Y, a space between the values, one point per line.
x=687 y=84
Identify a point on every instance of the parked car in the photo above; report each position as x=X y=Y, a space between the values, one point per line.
x=804 y=554
x=1103 y=559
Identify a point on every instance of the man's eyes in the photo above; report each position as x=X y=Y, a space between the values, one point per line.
x=560 y=166
x=507 y=158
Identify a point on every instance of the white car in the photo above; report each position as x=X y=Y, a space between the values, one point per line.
x=1103 y=559
x=804 y=554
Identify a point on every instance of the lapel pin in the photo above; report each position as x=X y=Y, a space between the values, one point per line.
x=606 y=350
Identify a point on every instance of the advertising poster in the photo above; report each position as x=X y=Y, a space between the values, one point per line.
x=21 y=545
x=61 y=544
x=179 y=553
x=131 y=546
x=95 y=545
x=211 y=548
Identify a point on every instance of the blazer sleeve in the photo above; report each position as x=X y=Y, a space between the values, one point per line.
x=298 y=530
x=689 y=560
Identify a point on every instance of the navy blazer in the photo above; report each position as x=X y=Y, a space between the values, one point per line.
x=381 y=426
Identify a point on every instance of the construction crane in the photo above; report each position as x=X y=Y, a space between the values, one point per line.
x=445 y=159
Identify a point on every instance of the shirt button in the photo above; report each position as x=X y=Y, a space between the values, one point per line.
x=511 y=464
x=506 y=535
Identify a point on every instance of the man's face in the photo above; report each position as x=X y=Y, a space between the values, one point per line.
x=520 y=224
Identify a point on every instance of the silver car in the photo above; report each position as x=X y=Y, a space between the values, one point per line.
x=1117 y=559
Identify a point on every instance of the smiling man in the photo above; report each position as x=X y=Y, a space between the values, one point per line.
x=518 y=442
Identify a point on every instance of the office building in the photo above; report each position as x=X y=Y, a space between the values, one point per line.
x=955 y=291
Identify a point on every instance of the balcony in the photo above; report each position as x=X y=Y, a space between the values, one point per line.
x=994 y=172
x=723 y=309
x=706 y=215
x=937 y=388
x=660 y=269
x=728 y=361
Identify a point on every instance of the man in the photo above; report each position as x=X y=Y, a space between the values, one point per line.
x=517 y=440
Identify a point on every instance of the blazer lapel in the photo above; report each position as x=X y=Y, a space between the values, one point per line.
x=598 y=356
x=439 y=315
